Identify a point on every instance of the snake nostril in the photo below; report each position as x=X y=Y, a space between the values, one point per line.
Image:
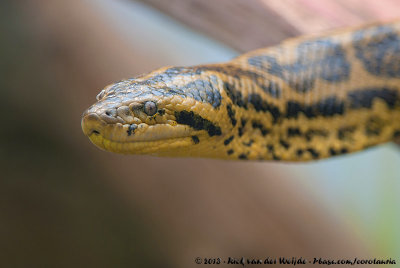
x=110 y=116
x=111 y=112
x=95 y=132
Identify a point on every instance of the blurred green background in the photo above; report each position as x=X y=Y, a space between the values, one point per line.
x=65 y=203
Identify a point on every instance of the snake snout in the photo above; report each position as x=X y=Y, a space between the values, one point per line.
x=92 y=124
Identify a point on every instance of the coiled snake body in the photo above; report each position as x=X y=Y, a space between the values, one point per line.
x=307 y=98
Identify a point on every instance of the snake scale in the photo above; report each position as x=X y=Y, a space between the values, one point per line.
x=307 y=98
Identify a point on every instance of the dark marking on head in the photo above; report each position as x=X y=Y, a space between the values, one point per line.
x=195 y=139
x=228 y=140
x=325 y=60
x=313 y=153
x=131 y=129
x=161 y=111
x=231 y=114
x=258 y=125
x=243 y=157
x=197 y=122
x=284 y=143
x=378 y=48
x=365 y=97
x=230 y=151
x=344 y=151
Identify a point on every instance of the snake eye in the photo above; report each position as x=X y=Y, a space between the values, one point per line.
x=150 y=108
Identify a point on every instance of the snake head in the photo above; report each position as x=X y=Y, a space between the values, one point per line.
x=166 y=112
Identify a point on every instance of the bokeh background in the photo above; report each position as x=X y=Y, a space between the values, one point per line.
x=65 y=203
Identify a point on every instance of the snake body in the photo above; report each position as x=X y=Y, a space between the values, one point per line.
x=307 y=98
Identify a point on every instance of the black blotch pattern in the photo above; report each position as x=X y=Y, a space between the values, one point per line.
x=241 y=128
x=396 y=134
x=346 y=132
x=378 y=48
x=268 y=87
x=228 y=140
x=313 y=152
x=261 y=105
x=195 y=139
x=249 y=143
x=373 y=126
x=320 y=58
x=293 y=131
x=327 y=107
x=161 y=112
x=240 y=131
x=243 y=157
x=275 y=157
x=231 y=114
x=243 y=122
x=284 y=143
x=334 y=152
x=258 y=103
x=365 y=97
x=273 y=89
x=258 y=125
x=309 y=134
x=197 y=122
x=235 y=95
x=299 y=152
x=270 y=148
x=230 y=151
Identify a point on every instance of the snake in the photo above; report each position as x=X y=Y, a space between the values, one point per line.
x=307 y=98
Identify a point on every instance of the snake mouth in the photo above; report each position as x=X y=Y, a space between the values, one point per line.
x=154 y=147
x=132 y=138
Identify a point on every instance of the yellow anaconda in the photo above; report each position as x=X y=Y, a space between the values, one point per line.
x=307 y=98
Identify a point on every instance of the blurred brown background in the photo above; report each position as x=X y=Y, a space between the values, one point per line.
x=65 y=203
